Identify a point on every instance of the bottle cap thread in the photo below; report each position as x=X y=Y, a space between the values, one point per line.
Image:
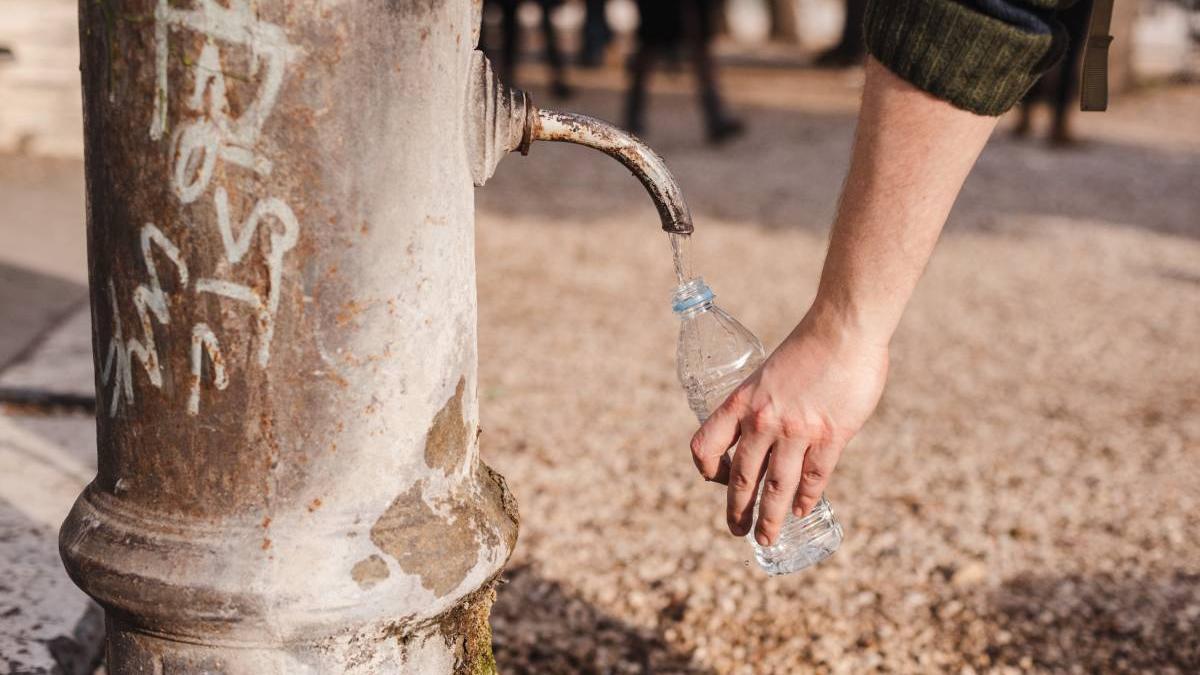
x=691 y=294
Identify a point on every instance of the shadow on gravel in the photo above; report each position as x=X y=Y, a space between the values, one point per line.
x=1100 y=624
x=788 y=170
x=538 y=626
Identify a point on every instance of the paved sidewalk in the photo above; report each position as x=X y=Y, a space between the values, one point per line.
x=47 y=625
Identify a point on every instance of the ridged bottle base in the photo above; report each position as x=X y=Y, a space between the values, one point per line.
x=803 y=542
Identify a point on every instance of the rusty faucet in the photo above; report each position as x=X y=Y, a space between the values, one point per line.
x=506 y=120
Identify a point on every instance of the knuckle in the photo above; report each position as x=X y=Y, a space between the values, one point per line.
x=740 y=480
x=736 y=400
x=762 y=420
x=697 y=444
x=813 y=476
x=791 y=427
x=772 y=488
x=822 y=431
x=821 y=436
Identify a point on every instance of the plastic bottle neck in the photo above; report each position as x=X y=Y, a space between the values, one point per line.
x=692 y=297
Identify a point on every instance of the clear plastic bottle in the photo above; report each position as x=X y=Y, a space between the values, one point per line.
x=715 y=355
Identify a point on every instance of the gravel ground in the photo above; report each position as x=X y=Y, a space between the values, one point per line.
x=1025 y=497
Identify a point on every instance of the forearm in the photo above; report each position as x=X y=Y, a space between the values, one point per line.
x=912 y=153
x=914 y=147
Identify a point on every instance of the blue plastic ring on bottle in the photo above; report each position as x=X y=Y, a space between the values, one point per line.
x=690 y=301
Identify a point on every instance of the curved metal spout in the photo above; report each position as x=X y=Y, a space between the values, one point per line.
x=503 y=119
x=650 y=169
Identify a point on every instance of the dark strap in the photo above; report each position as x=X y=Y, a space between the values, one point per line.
x=1093 y=87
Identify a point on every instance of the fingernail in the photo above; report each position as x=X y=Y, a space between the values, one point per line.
x=762 y=539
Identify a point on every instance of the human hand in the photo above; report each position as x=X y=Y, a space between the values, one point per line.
x=791 y=420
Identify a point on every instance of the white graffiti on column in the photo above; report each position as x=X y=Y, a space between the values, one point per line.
x=203 y=341
x=149 y=300
x=236 y=248
x=235 y=24
x=209 y=135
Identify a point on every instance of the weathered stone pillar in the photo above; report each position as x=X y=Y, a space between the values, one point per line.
x=280 y=232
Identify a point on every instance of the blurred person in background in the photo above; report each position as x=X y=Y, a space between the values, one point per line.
x=596 y=34
x=940 y=74
x=783 y=21
x=1059 y=86
x=510 y=47
x=851 y=49
x=665 y=26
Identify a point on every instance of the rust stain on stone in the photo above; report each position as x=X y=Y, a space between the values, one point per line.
x=442 y=543
x=350 y=310
x=369 y=571
x=442 y=550
x=446 y=442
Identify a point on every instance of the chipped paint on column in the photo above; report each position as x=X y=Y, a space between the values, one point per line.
x=281 y=246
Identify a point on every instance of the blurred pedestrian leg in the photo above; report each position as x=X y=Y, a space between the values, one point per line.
x=664 y=25
x=783 y=21
x=1059 y=85
x=505 y=59
x=851 y=49
x=554 y=56
x=596 y=34
x=699 y=19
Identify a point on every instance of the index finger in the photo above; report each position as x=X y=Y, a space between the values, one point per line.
x=715 y=436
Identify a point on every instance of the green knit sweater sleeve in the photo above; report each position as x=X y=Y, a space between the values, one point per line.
x=975 y=60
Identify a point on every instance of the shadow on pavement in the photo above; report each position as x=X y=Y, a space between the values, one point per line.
x=539 y=626
x=31 y=304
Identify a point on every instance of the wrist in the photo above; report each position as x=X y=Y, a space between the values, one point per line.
x=837 y=316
